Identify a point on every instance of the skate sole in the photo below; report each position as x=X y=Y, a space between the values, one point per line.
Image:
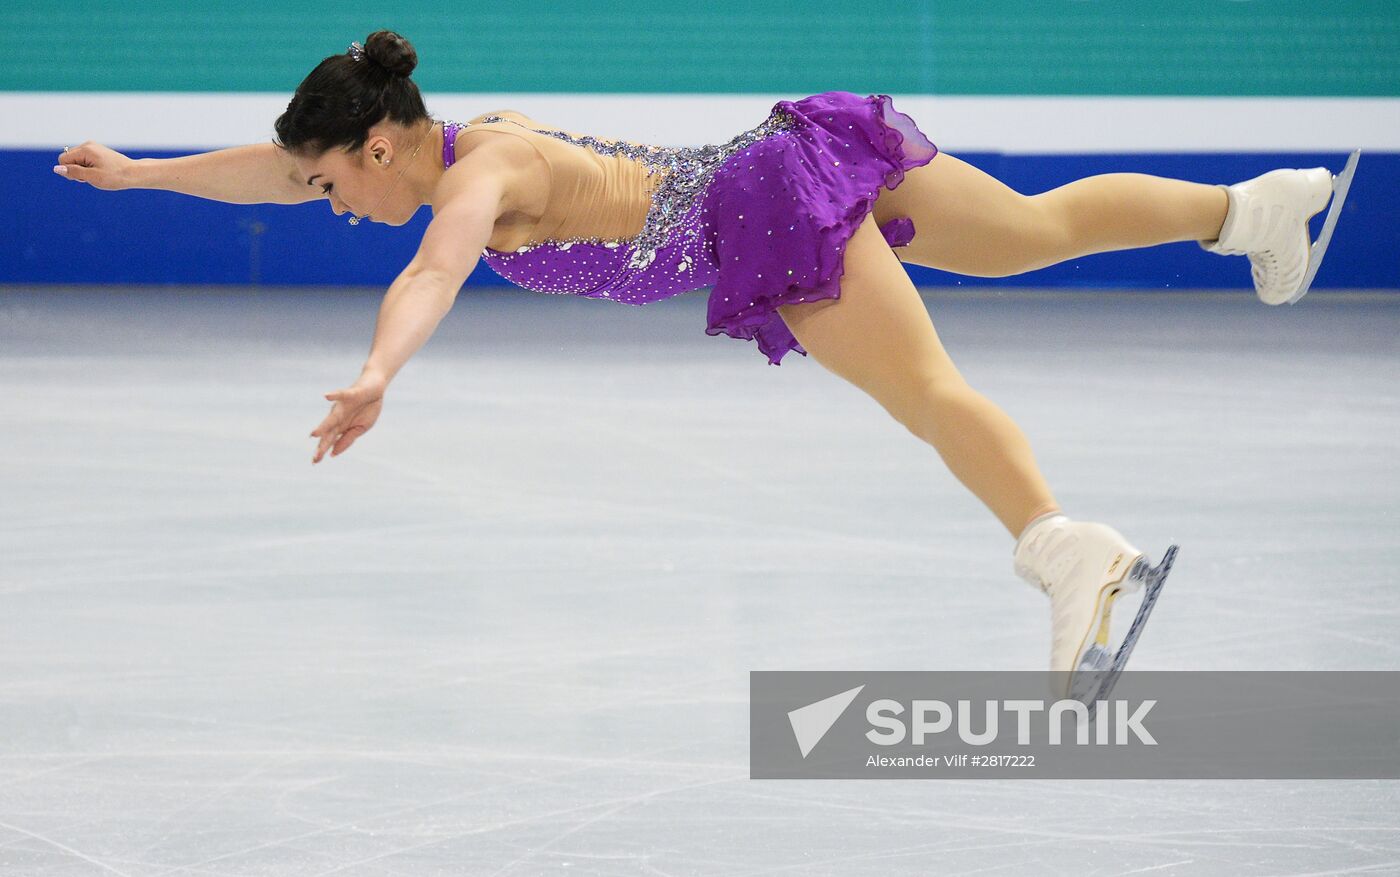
x=1341 y=184
x=1097 y=673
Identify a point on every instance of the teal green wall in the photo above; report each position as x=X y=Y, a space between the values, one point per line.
x=1082 y=47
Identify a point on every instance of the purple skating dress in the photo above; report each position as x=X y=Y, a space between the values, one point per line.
x=763 y=219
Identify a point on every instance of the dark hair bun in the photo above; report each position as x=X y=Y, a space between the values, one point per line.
x=392 y=52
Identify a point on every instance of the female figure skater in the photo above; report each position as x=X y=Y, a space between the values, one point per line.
x=800 y=225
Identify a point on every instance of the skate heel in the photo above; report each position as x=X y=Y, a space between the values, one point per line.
x=1319 y=184
x=1122 y=575
x=1128 y=581
x=1099 y=666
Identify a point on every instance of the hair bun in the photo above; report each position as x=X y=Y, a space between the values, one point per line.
x=392 y=52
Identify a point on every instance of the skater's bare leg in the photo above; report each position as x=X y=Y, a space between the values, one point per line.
x=968 y=222
x=879 y=336
x=1124 y=210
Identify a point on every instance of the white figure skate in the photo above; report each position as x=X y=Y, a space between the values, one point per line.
x=1083 y=567
x=1267 y=220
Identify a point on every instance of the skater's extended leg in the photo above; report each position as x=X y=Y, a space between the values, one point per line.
x=1122 y=211
x=879 y=336
x=969 y=222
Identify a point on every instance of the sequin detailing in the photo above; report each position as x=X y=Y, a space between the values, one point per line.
x=686 y=172
x=763 y=219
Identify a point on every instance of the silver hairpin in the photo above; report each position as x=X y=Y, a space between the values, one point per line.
x=357 y=52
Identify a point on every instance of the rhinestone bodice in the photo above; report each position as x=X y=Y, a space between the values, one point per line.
x=669 y=254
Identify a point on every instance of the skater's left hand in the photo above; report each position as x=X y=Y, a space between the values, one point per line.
x=354 y=412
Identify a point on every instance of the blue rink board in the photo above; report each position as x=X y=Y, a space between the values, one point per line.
x=56 y=231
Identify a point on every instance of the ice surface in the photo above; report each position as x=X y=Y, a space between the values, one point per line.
x=509 y=631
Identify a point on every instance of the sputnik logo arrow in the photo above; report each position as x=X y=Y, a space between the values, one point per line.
x=811 y=722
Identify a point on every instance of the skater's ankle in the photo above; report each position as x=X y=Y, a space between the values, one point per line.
x=1215 y=221
x=1048 y=510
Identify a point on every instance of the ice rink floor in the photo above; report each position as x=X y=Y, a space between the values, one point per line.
x=510 y=631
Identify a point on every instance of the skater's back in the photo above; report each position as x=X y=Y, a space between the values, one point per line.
x=573 y=192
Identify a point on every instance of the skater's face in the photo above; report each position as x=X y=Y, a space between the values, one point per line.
x=362 y=182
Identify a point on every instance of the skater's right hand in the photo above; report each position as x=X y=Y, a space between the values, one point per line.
x=355 y=410
x=96 y=165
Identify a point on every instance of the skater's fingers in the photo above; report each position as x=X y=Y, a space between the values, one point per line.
x=75 y=172
x=327 y=425
x=328 y=432
x=77 y=155
x=347 y=439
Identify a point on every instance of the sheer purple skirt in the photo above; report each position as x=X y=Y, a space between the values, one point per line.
x=781 y=211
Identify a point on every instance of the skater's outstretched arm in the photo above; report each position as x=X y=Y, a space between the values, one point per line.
x=259 y=173
x=466 y=206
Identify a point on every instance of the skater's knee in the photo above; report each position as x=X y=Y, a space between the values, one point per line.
x=1053 y=229
x=1037 y=233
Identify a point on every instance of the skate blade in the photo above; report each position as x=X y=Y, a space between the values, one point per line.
x=1099 y=668
x=1340 y=185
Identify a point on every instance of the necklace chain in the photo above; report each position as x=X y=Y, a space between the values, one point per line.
x=355 y=220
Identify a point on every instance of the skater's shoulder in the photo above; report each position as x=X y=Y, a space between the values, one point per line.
x=519 y=147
